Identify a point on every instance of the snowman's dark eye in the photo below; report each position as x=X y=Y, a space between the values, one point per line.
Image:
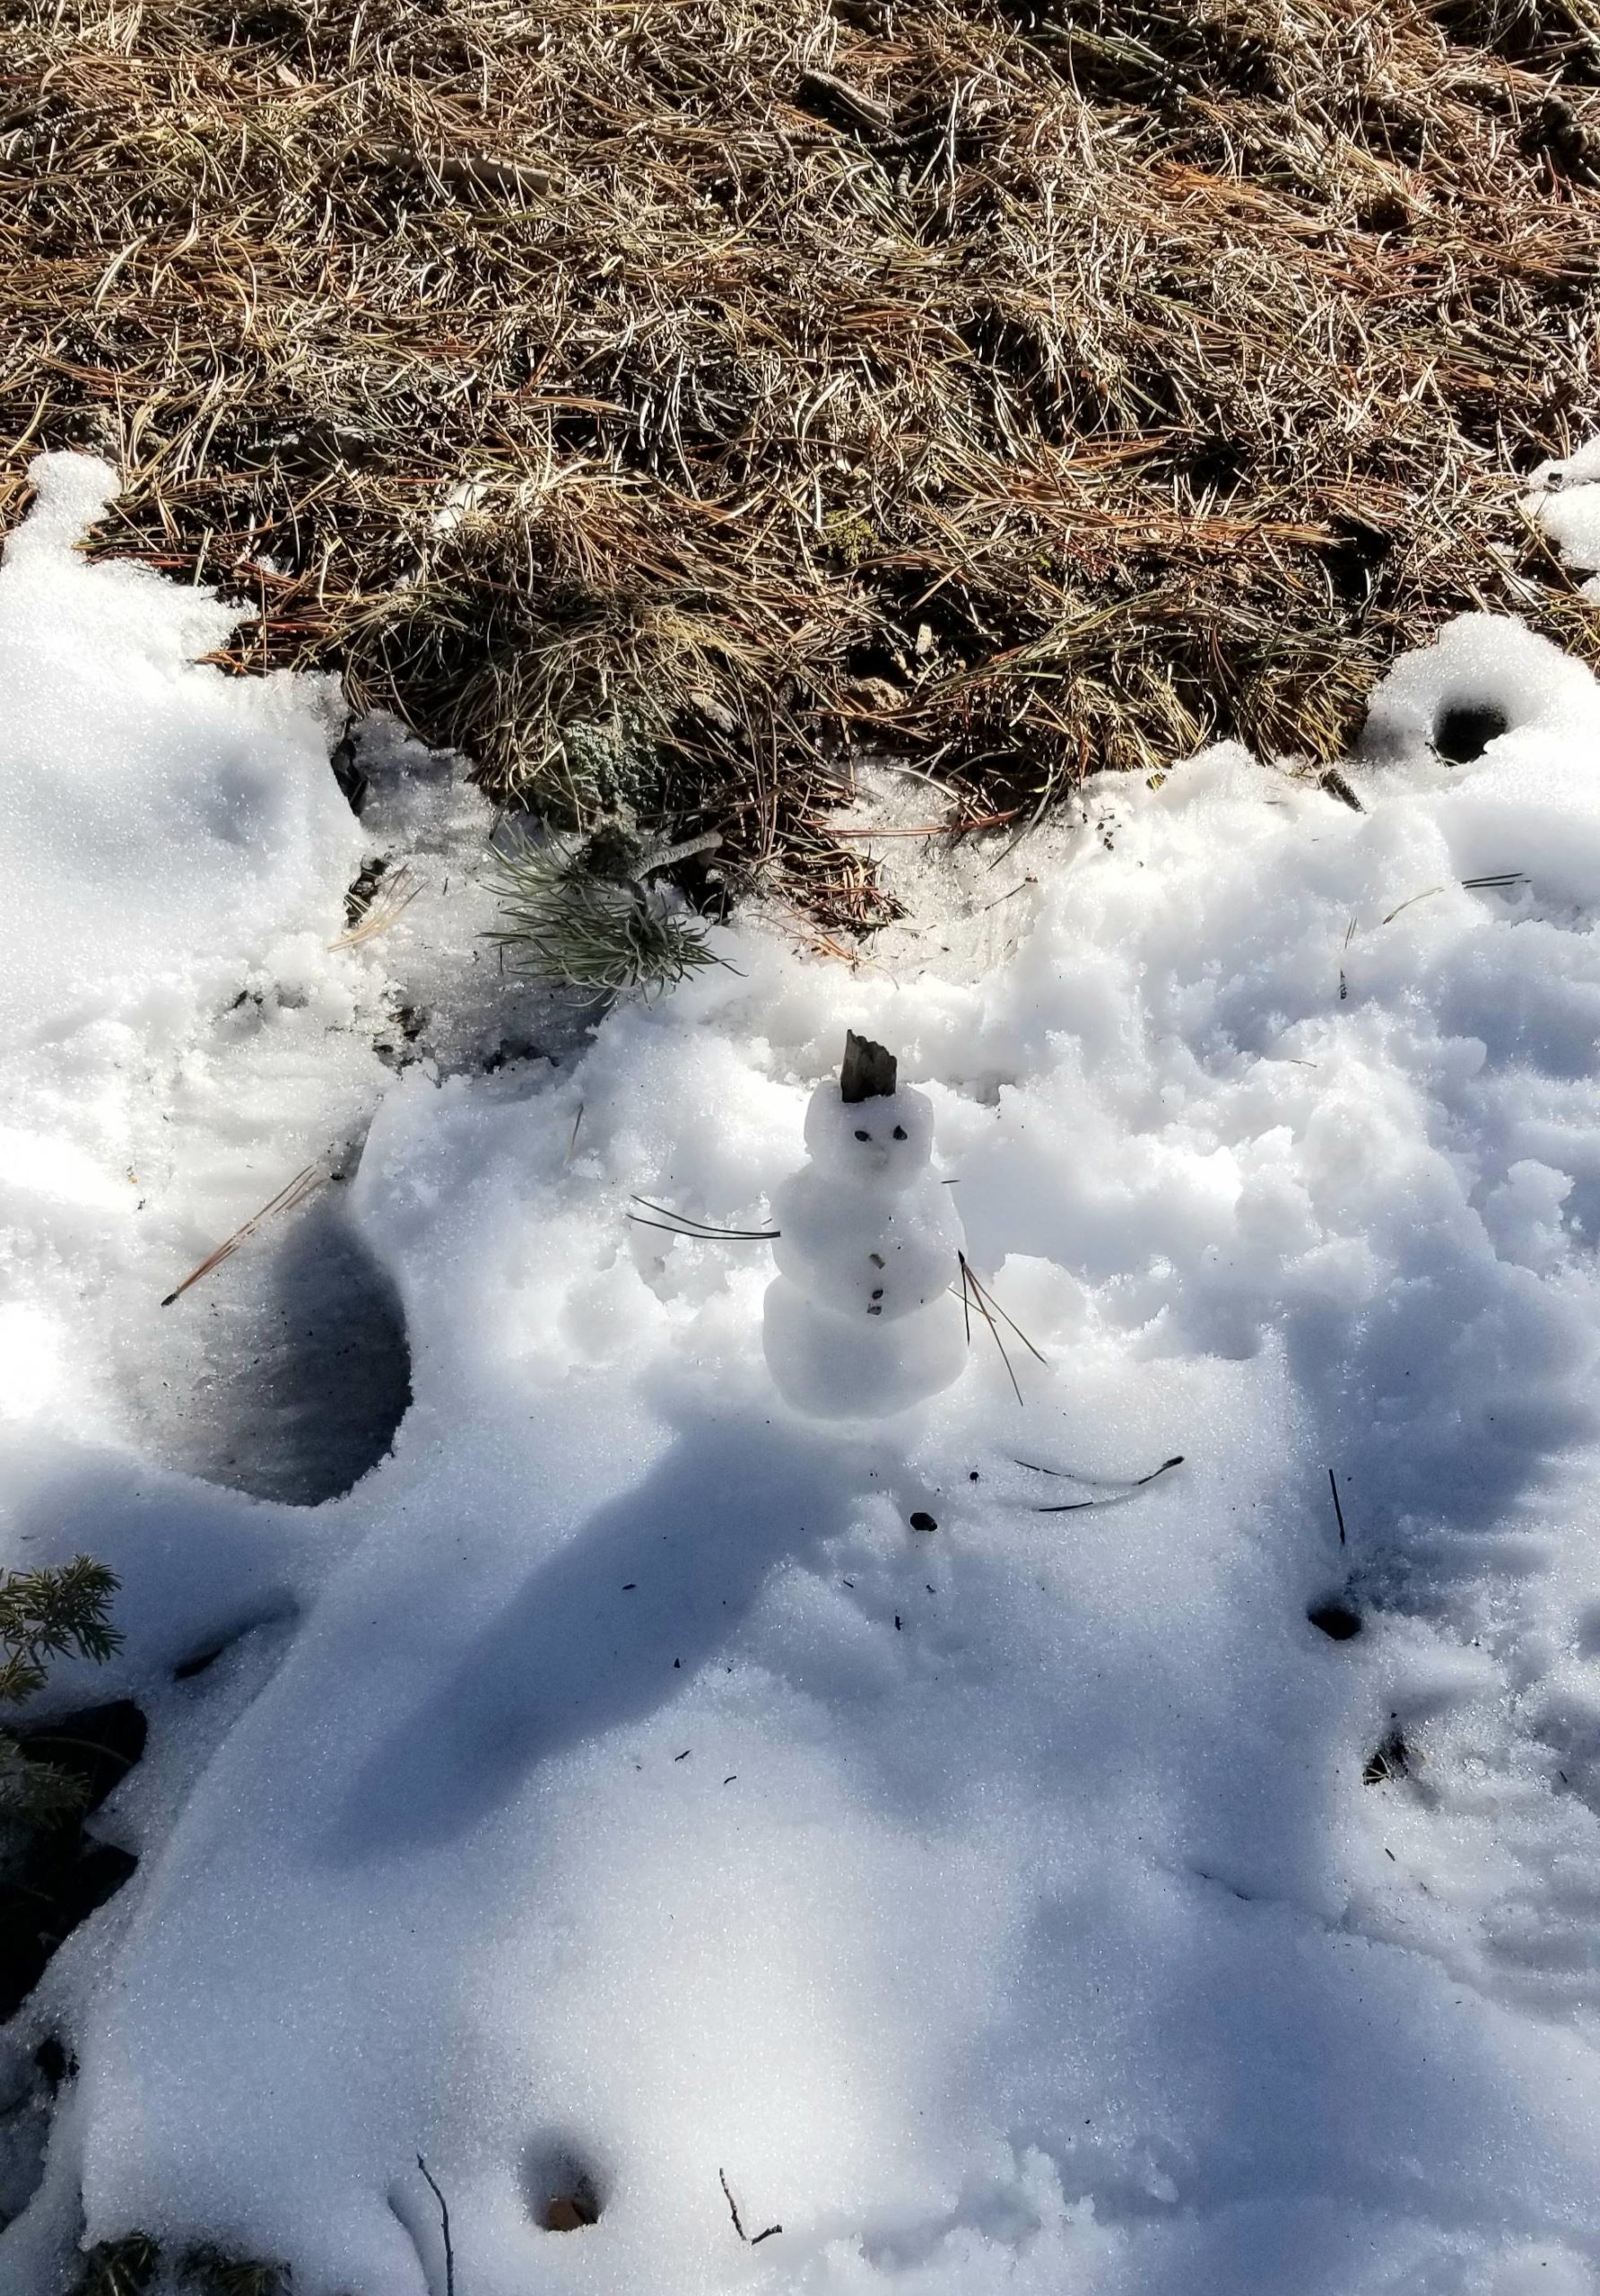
x=863 y=1136
x=900 y=1131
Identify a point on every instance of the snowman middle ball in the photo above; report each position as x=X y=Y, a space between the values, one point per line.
x=865 y=1229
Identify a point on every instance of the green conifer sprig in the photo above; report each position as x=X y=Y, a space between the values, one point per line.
x=44 y=1614
x=585 y=914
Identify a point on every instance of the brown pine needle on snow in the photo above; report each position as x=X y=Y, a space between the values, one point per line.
x=392 y=896
x=303 y=1184
x=973 y=1294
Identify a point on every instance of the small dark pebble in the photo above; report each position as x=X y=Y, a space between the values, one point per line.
x=1336 y=1620
x=972 y=1474
x=897 y=1624
x=923 y=1521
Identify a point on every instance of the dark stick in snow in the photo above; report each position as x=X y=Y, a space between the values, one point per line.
x=733 y=2210
x=697 y=1231
x=444 y=2218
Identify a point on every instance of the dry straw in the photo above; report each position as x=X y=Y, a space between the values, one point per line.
x=660 y=396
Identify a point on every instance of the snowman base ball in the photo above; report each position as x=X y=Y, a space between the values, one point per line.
x=830 y=1366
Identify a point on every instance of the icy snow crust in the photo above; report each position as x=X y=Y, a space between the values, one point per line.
x=634 y=1794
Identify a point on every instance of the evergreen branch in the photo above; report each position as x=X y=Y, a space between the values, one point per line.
x=581 y=916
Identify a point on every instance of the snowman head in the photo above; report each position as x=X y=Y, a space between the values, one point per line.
x=883 y=1143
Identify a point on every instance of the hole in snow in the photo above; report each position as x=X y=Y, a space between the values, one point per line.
x=1335 y=1619
x=55 y=1874
x=289 y=1370
x=54 y=2062
x=1465 y=729
x=563 y=2190
x=1391 y=1760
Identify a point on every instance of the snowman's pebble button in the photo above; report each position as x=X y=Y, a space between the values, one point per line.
x=922 y=1521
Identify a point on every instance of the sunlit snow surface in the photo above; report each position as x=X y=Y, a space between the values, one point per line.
x=1565 y=501
x=997 y=1908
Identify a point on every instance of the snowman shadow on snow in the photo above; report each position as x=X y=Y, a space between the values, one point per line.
x=605 y=1631
x=862 y=1319
x=861 y=1323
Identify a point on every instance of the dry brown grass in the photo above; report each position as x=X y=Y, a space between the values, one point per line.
x=1027 y=388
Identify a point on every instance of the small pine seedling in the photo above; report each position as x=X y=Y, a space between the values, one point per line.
x=44 y=1613
x=585 y=914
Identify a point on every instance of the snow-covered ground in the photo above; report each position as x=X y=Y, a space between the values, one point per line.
x=616 y=1786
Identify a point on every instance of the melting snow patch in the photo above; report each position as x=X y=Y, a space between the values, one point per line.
x=639 y=1819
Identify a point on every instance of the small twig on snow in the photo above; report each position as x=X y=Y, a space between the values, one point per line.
x=733 y=2210
x=444 y=2218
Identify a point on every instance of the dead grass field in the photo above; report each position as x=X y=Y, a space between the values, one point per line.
x=1027 y=390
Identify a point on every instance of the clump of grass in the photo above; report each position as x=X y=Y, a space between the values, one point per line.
x=583 y=913
x=124 y=2267
x=46 y=1613
x=129 y=2267
x=212 y=2272
x=664 y=402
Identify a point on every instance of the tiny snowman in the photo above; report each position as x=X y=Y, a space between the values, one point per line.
x=861 y=1318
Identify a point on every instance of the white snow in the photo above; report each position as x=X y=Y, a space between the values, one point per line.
x=1530 y=691
x=634 y=1794
x=1564 y=499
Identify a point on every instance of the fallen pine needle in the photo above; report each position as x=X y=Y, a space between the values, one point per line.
x=932 y=828
x=1115 y=1497
x=303 y=1184
x=1412 y=903
x=684 y=1224
x=974 y=1295
x=393 y=896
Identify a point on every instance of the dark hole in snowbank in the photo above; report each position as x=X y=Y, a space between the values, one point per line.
x=53 y=1876
x=1465 y=729
x=1335 y=1619
x=300 y=1372
x=562 y=2188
